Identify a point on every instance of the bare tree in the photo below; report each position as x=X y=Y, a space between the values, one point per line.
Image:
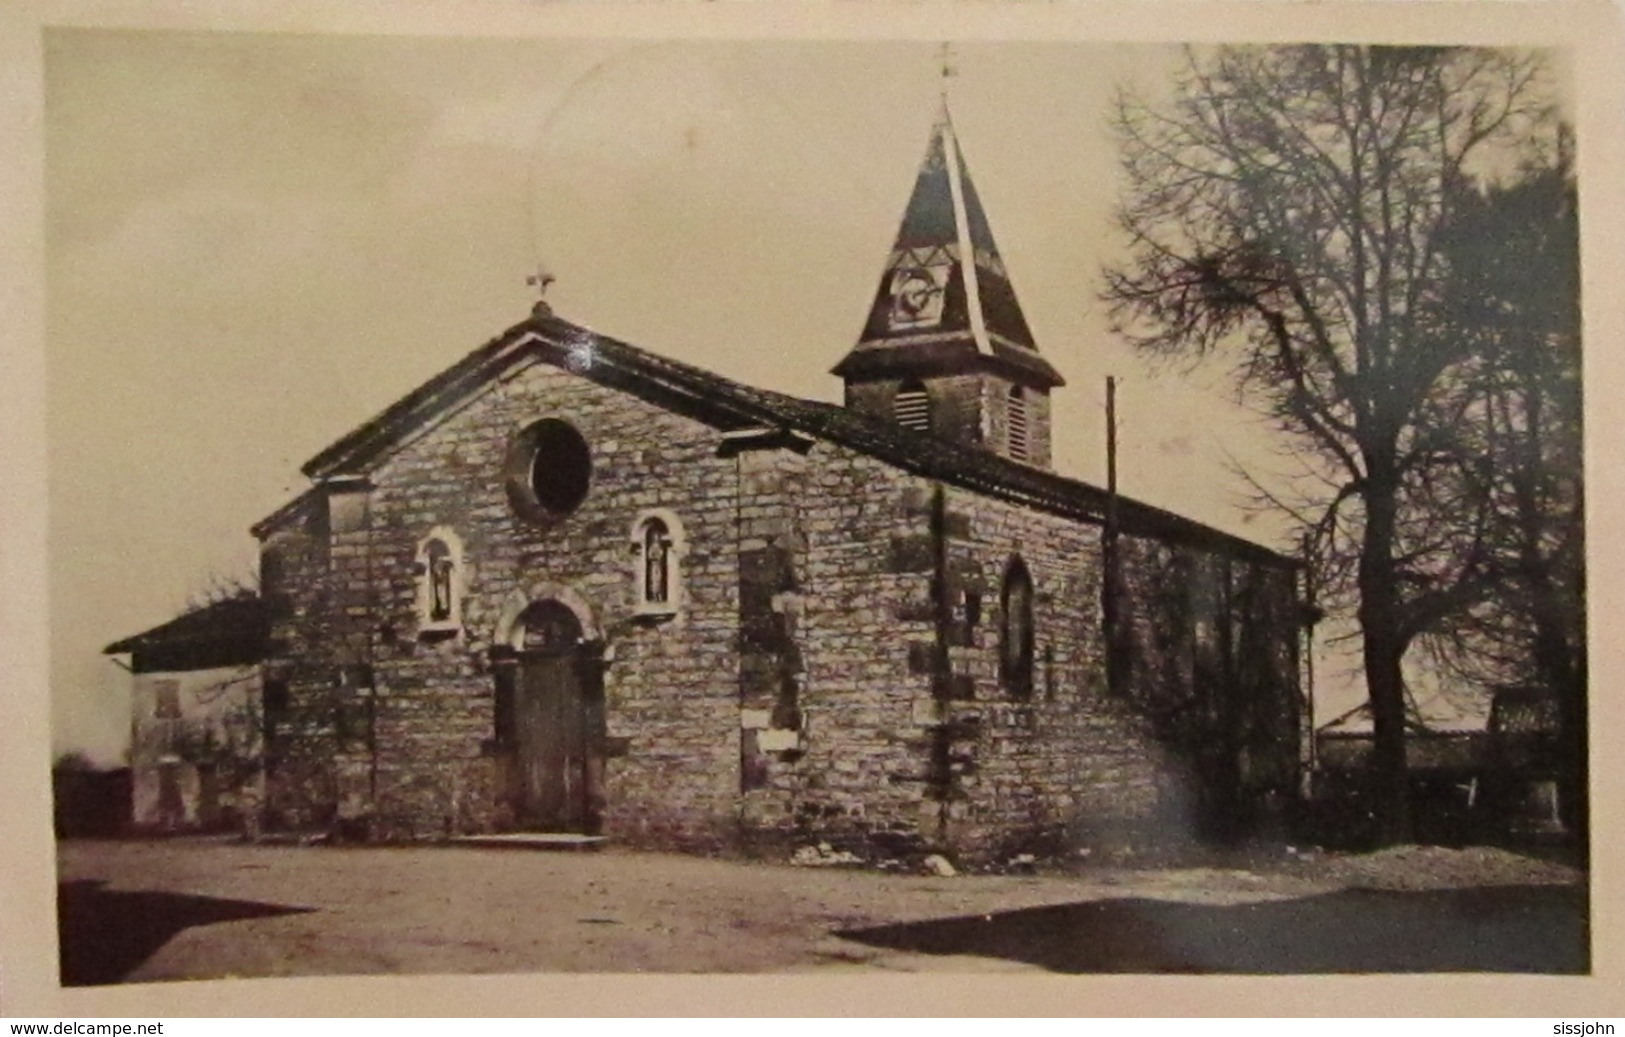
x=1287 y=210
x=1515 y=285
x=219 y=587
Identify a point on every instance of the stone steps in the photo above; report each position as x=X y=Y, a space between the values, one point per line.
x=555 y=841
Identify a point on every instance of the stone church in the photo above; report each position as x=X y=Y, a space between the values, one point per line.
x=572 y=585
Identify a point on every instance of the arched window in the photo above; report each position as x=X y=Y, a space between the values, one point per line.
x=1015 y=418
x=440 y=583
x=657 y=553
x=912 y=406
x=1016 y=630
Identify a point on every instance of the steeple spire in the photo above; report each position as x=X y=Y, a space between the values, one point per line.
x=945 y=291
x=946 y=347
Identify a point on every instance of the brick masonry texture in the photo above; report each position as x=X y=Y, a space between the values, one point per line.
x=791 y=696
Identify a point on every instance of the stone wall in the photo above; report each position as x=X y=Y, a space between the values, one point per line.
x=893 y=758
x=1059 y=759
x=300 y=755
x=861 y=778
x=670 y=691
x=392 y=727
x=772 y=668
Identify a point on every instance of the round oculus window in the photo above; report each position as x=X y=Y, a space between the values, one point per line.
x=550 y=468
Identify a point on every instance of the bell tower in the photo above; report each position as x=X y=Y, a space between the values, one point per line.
x=946 y=349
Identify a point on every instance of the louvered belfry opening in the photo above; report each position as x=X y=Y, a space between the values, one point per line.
x=912 y=407
x=1016 y=423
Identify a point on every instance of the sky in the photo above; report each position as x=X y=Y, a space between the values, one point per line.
x=256 y=242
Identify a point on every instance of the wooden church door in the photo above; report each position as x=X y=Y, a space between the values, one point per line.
x=554 y=721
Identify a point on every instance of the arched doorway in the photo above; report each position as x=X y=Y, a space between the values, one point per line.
x=558 y=722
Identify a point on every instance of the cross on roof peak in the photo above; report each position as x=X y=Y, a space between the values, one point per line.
x=539 y=281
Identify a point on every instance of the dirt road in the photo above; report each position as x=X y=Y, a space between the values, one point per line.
x=134 y=911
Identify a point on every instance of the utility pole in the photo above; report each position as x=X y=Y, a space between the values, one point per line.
x=1309 y=644
x=1111 y=584
x=1111 y=454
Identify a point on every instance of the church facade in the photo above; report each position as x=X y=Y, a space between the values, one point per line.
x=572 y=585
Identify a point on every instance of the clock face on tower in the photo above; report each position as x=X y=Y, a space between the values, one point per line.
x=917 y=296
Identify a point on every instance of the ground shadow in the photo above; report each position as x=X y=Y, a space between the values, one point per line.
x=1478 y=929
x=105 y=934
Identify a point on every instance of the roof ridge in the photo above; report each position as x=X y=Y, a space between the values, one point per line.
x=914 y=450
x=731 y=401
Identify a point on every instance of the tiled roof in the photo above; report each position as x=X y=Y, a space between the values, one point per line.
x=233 y=621
x=730 y=405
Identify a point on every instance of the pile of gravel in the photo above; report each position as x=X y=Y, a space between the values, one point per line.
x=1440 y=867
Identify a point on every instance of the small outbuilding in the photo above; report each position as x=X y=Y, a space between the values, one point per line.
x=196 y=718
